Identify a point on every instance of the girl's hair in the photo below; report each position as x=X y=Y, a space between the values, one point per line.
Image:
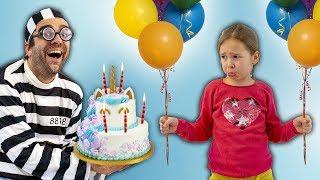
x=242 y=33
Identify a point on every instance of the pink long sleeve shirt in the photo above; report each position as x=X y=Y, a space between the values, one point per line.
x=242 y=121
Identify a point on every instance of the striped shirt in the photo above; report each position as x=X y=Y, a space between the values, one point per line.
x=38 y=124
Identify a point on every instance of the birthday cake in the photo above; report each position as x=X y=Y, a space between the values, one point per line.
x=111 y=129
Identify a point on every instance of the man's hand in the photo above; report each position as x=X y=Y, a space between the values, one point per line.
x=106 y=169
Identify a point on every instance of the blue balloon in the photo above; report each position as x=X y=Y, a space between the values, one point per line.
x=189 y=21
x=281 y=20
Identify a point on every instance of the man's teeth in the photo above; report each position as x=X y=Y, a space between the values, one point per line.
x=55 y=52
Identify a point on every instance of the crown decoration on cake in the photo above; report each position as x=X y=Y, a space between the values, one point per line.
x=111 y=97
x=115 y=97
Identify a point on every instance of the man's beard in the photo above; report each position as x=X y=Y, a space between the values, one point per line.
x=42 y=66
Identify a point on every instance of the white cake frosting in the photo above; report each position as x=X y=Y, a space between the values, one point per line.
x=115 y=143
x=115 y=113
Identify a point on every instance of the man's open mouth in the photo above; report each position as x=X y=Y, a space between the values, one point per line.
x=54 y=54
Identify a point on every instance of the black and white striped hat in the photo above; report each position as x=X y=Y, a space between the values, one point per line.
x=46 y=13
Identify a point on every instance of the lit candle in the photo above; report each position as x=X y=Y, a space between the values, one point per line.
x=125 y=121
x=121 y=78
x=143 y=108
x=105 y=118
x=104 y=79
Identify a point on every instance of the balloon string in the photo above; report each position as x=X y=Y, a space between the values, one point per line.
x=305 y=76
x=180 y=23
x=165 y=76
x=306 y=87
x=289 y=17
x=166 y=112
x=188 y=31
x=282 y=29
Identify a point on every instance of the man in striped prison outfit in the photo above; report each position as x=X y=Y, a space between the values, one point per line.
x=40 y=107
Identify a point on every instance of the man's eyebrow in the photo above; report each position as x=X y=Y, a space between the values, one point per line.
x=62 y=26
x=41 y=28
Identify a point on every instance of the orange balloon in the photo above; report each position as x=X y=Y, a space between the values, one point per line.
x=160 y=44
x=304 y=43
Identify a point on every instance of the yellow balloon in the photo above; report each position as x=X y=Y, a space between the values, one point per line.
x=316 y=11
x=132 y=16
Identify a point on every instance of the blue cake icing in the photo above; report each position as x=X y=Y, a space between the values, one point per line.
x=113 y=99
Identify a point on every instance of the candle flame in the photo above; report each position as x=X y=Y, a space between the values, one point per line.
x=144 y=97
x=122 y=67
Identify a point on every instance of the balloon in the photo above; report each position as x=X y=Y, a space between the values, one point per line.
x=309 y=4
x=189 y=22
x=286 y=3
x=160 y=45
x=304 y=43
x=132 y=16
x=161 y=6
x=184 y=4
x=316 y=11
x=281 y=20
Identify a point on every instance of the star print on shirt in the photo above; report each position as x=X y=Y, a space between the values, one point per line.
x=229 y=115
x=243 y=122
x=235 y=103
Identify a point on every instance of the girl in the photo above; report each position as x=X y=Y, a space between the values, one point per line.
x=239 y=112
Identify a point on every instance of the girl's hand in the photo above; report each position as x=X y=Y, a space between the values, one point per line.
x=303 y=125
x=169 y=125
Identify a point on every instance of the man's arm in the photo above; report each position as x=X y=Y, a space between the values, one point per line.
x=20 y=145
x=71 y=132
